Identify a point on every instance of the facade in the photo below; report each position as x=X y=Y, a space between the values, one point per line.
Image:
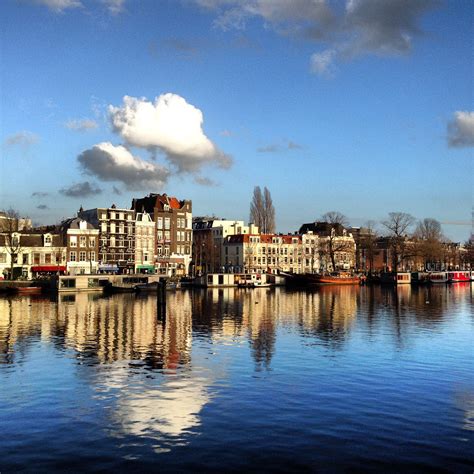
x=270 y=253
x=82 y=246
x=116 y=237
x=37 y=254
x=144 y=243
x=336 y=245
x=173 y=222
x=209 y=234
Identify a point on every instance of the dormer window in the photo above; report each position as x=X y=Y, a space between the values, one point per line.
x=47 y=240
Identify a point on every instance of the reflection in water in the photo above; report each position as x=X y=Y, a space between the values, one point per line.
x=125 y=327
x=231 y=364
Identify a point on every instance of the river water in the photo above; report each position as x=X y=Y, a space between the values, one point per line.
x=264 y=380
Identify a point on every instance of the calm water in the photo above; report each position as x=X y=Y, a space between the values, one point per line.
x=340 y=379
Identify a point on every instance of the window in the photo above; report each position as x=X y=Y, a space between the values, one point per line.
x=3 y=257
x=160 y=235
x=47 y=240
x=72 y=256
x=68 y=283
x=112 y=241
x=122 y=228
x=167 y=222
x=103 y=227
x=92 y=256
x=83 y=256
x=159 y=223
x=25 y=259
x=160 y=250
x=91 y=241
x=36 y=258
x=82 y=241
x=103 y=216
x=47 y=258
x=167 y=235
x=73 y=241
x=112 y=228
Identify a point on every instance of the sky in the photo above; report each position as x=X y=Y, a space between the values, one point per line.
x=361 y=106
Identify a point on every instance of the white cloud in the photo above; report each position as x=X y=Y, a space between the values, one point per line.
x=461 y=130
x=58 y=6
x=81 y=125
x=114 y=6
x=115 y=163
x=171 y=125
x=22 y=139
x=322 y=63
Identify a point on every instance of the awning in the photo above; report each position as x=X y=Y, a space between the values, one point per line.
x=145 y=267
x=109 y=268
x=48 y=268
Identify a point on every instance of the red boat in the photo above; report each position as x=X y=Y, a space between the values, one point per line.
x=24 y=290
x=458 y=276
x=336 y=278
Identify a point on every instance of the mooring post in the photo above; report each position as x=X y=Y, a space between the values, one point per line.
x=161 y=299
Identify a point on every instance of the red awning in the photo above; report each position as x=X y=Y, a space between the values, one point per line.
x=48 y=268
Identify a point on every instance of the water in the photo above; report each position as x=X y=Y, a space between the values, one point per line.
x=265 y=380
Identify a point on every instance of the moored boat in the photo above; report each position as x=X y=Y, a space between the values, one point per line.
x=439 y=277
x=24 y=290
x=396 y=278
x=334 y=278
x=458 y=276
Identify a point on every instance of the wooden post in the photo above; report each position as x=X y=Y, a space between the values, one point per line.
x=161 y=299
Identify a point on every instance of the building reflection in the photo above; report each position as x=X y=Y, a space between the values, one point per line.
x=103 y=330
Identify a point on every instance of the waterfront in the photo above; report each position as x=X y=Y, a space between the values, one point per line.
x=339 y=378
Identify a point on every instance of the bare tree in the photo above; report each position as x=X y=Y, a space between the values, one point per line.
x=262 y=211
x=429 y=239
x=335 y=242
x=335 y=217
x=368 y=243
x=398 y=224
x=10 y=226
x=269 y=212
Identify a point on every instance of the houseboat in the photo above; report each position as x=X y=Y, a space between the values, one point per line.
x=72 y=283
x=253 y=280
x=439 y=277
x=458 y=276
x=396 y=278
x=420 y=278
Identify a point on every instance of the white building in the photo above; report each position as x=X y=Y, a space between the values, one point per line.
x=82 y=246
x=144 y=243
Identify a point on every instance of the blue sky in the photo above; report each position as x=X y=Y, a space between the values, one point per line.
x=363 y=107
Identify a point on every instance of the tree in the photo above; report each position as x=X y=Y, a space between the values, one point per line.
x=368 y=243
x=262 y=211
x=398 y=224
x=336 y=240
x=335 y=217
x=429 y=241
x=10 y=226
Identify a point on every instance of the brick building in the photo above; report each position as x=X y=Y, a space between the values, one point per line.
x=173 y=223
